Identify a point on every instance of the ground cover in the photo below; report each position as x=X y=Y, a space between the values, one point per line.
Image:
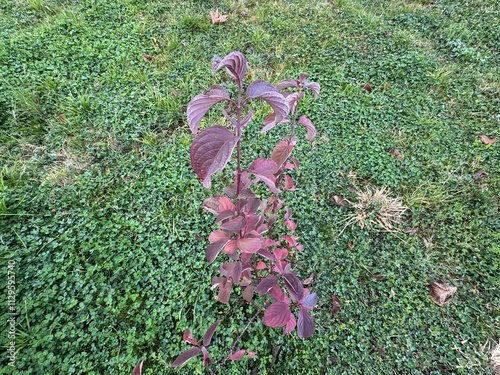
x=101 y=211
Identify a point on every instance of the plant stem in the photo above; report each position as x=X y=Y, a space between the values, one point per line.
x=238 y=145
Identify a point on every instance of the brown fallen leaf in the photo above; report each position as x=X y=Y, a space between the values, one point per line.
x=336 y=304
x=480 y=174
x=147 y=58
x=397 y=154
x=380 y=350
x=387 y=85
x=440 y=292
x=368 y=87
x=378 y=277
x=61 y=118
x=310 y=279
x=218 y=18
x=487 y=140
x=350 y=245
x=339 y=200
x=139 y=15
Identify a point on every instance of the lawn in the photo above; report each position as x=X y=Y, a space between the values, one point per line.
x=101 y=218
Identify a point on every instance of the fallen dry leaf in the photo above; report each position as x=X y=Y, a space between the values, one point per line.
x=397 y=154
x=218 y=18
x=487 y=140
x=387 y=85
x=378 y=277
x=441 y=293
x=310 y=279
x=368 y=87
x=350 y=245
x=480 y=174
x=380 y=350
x=339 y=200
x=139 y=15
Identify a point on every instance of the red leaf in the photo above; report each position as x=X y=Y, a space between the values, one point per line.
x=305 y=325
x=211 y=150
x=290 y=325
x=248 y=293
x=206 y=357
x=251 y=354
x=282 y=152
x=214 y=249
x=289 y=183
x=280 y=253
x=224 y=292
x=236 y=224
x=185 y=356
x=264 y=170
x=200 y=104
x=138 y=369
x=207 y=339
x=294 y=286
x=238 y=355
x=188 y=337
x=311 y=130
x=235 y=63
x=218 y=235
x=218 y=204
x=266 y=284
x=487 y=140
x=250 y=244
x=336 y=304
x=277 y=315
x=368 y=87
x=261 y=265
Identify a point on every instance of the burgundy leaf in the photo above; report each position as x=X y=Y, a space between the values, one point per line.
x=246 y=120
x=266 y=284
x=289 y=185
x=290 y=325
x=264 y=170
x=218 y=235
x=218 y=204
x=210 y=152
x=188 y=337
x=266 y=254
x=251 y=354
x=336 y=304
x=224 y=216
x=206 y=357
x=310 y=301
x=280 y=253
x=259 y=87
x=277 y=315
x=311 y=130
x=277 y=294
x=250 y=244
x=261 y=265
x=200 y=104
x=293 y=100
x=288 y=213
x=278 y=104
x=224 y=292
x=270 y=122
x=138 y=369
x=248 y=293
x=214 y=249
x=238 y=355
x=235 y=63
x=291 y=240
x=302 y=78
x=236 y=224
x=286 y=84
x=314 y=87
x=185 y=356
x=294 y=286
x=282 y=152
x=291 y=225
x=305 y=325
x=207 y=339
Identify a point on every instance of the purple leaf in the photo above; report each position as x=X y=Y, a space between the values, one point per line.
x=265 y=170
x=214 y=249
x=294 y=286
x=200 y=104
x=248 y=293
x=224 y=292
x=310 y=301
x=218 y=204
x=311 y=130
x=207 y=339
x=188 y=337
x=266 y=284
x=259 y=87
x=336 y=304
x=282 y=152
x=278 y=104
x=305 y=325
x=235 y=63
x=206 y=357
x=138 y=369
x=236 y=224
x=185 y=356
x=302 y=77
x=250 y=244
x=270 y=122
x=218 y=235
x=210 y=152
x=238 y=355
x=314 y=87
x=224 y=216
x=277 y=294
x=291 y=324
x=286 y=84
x=277 y=315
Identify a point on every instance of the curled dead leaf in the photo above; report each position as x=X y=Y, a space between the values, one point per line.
x=480 y=174
x=336 y=304
x=310 y=279
x=387 y=85
x=339 y=200
x=397 y=154
x=368 y=87
x=218 y=18
x=441 y=293
x=487 y=140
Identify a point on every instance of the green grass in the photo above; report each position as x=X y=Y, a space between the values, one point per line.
x=102 y=213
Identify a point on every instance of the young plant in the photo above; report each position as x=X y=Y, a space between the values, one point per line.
x=256 y=235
